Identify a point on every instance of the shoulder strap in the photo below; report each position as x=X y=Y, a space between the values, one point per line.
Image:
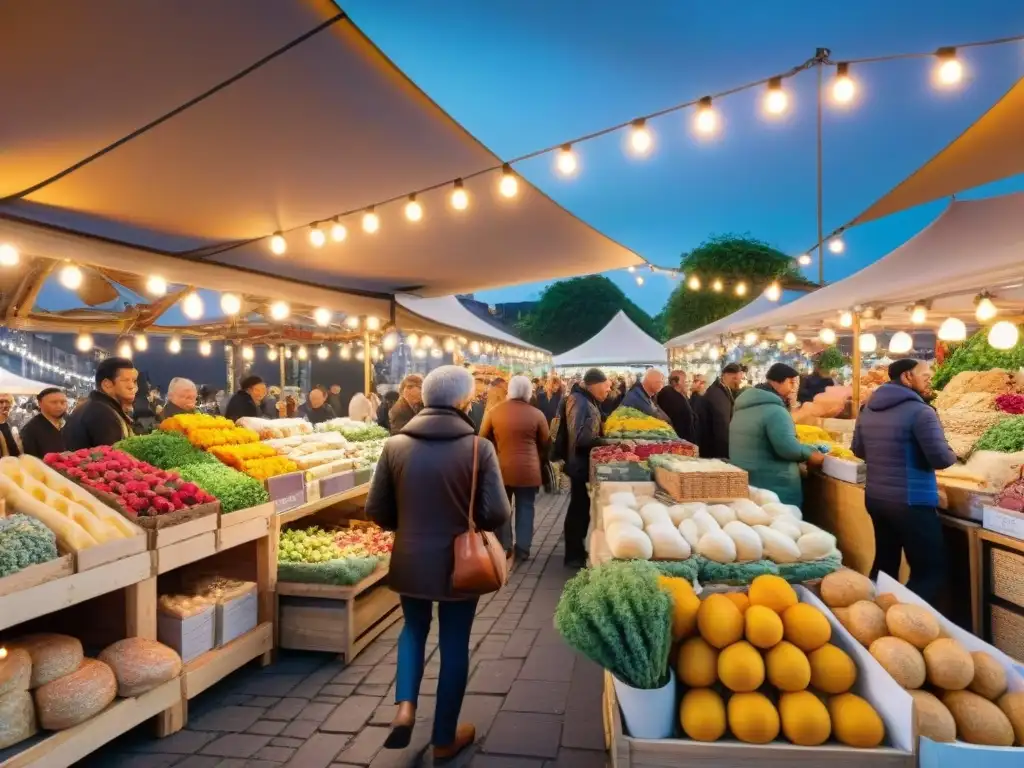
x=472 y=485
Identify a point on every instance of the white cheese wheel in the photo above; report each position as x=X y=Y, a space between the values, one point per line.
x=717 y=546
x=722 y=513
x=140 y=665
x=786 y=526
x=616 y=513
x=77 y=697
x=655 y=512
x=748 y=543
x=688 y=528
x=680 y=512
x=668 y=542
x=625 y=498
x=750 y=513
x=777 y=546
x=627 y=542
x=814 y=546
x=17 y=718
x=53 y=655
x=705 y=522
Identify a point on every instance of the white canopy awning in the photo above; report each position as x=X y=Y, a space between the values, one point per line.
x=195 y=130
x=738 y=319
x=447 y=315
x=13 y=384
x=621 y=342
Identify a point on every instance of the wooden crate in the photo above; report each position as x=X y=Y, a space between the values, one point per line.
x=109 y=552
x=1007 y=631
x=703 y=486
x=34 y=575
x=343 y=620
x=1006 y=575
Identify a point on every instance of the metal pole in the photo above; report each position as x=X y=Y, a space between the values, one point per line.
x=281 y=367
x=367 y=364
x=855 y=405
x=821 y=231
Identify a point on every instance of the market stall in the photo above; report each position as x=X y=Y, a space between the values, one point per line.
x=620 y=343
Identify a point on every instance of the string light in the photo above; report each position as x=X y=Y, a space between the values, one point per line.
x=278 y=245
x=303 y=353
x=352 y=322
x=985 y=310
x=174 y=345
x=375 y=353
x=693 y=283
x=509 y=184
x=459 y=198
x=773 y=292
x=9 y=256
x=322 y=316
x=317 y=238
x=124 y=349
x=372 y=323
x=156 y=286
x=741 y=288
x=565 y=161
x=474 y=347
x=413 y=209
x=750 y=338
x=845 y=319
x=640 y=138
x=279 y=311
x=345 y=352
x=827 y=336
x=248 y=353
x=371 y=221
x=205 y=348
x=71 y=277
x=843 y=88
x=901 y=343
x=338 y=231
x=804 y=260
x=141 y=342
x=639 y=280
x=230 y=303
x=192 y=306
x=948 y=71
x=776 y=100
x=705 y=122
x=952 y=329
x=1003 y=335
x=717 y=286
x=426 y=342
x=789 y=338
x=322 y=352
x=272 y=354
x=412 y=340
x=868 y=343
x=919 y=314
x=836 y=245
x=83 y=342
x=390 y=341
x=287 y=353
x=449 y=344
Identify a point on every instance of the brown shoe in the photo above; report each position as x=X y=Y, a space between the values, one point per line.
x=465 y=735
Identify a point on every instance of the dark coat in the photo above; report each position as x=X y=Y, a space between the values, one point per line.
x=421 y=491
x=8 y=444
x=520 y=433
x=900 y=438
x=401 y=414
x=812 y=386
x=713 y=417
x=583 y=430
x=610 y=403
x=99 y=420
x=384 y=414
x=334 y=400
x=39 y=437
x=268 y=407
x=549 y=405
x=638 y=398
x=242 y=405
x=680 y=415
x=317 y=415
x=170 y=409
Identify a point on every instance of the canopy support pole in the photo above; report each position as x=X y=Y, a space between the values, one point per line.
x=855 y=405
x=281 y=367
x=367 y=363
x=821 y=236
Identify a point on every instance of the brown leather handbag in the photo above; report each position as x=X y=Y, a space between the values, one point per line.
x=480 y=566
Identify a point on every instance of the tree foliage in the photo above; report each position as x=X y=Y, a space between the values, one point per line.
x=731 y=259
x=571 y=311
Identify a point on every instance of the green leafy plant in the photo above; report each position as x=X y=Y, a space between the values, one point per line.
x=233 y=489
x=1004 y=437
x=164 y=450
x=976 y=354
x=617 y=616
x=831 y=359
x=341 y=572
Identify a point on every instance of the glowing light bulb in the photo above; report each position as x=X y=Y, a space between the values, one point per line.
x=948 y=71
x=901 y=343
x=459 y=197
x=705 y=122
x=287 y=353
x=372 y=323
x=1003 y=335
x=272 y=354
x=919 y=314
x=509 y=184
x=413 y=209
x=412 y=340
x=303 y=353
x=345 y=353
x=565 y=161
x=322 y=352
x=750 y=338
x=205 y=348
x=338 y=232
x=390 y=341
x=174 y=345
x=9 y=256
x=985 y=310
x=868 y=343
x=124 y=349
x=639 y=280
x=371 y=222
x=426 y=342
x=71 y=277
x=741 y=289
x=640 y=138
x=827 y=336
x=278 y=245
x=952 y=329
x=836 y=245
x=280 y=310
x=230 y=303
x=843 y=87
x=141 y=342
x=317 y=238
x=474 y=347
x=693 y=283
x=352 y=321
x=322 y=316
x=845 y=319
x=449 y=344
x=717 y=286
x=789 y=338
x=192 y=306
x=156 y=286
x=375 y=353
x=713 y=354
x=804 y=260
x=776 y=100
x=248 y=353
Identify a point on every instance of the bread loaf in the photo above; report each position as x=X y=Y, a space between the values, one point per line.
x=77 y=697
x=17 y=718
x=53 y=656
x=15 y=671
x=140 y=665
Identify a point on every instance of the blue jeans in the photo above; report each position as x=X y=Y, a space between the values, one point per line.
x=456 y=621
x=525 y=500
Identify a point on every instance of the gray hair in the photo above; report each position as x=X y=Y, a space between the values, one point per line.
x=181 y=383
x=448 y=386
x=520 y=388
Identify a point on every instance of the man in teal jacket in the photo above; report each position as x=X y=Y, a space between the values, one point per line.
x=762 y=436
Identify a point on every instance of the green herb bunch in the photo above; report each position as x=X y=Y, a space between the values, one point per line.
x=976 y=354
x=1004 y=437
x=233 y=489
x=617 y=616
x=831 y=359
x=164 y=450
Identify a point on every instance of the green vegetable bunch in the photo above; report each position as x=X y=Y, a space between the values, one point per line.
x=361 y=434
x=831 y=359
x=341 y=572
x=312 y=545
x=1004 y=437
x=164 y=450
x=617 y=616
x=233 y=489
x=976 y=354
x=24 y=541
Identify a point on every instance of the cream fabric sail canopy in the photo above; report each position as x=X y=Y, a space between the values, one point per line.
x=447 y=315
x=737 y=319
x=621 y=342
x=328 y=126
x=13 y=384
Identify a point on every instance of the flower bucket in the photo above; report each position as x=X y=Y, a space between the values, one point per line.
x=649 y=714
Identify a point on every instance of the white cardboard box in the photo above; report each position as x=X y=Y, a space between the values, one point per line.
x=1004 y=521
x=191 y=636
x=237 y=616
x=845 y=470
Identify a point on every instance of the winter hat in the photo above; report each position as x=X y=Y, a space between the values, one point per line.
x=594 y=376
x=780 y=372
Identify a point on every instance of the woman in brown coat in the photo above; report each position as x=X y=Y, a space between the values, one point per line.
x=421 y=491
x=520 y=433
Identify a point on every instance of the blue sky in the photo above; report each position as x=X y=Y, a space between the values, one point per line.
x=527 y=74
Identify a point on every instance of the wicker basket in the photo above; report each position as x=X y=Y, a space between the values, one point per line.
x=1007 y=569
x=703 y=486
x=1008 y=631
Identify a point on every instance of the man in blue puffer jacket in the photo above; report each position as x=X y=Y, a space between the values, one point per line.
x=900 y=438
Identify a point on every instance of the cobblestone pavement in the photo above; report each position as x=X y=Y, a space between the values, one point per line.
x=534 y=701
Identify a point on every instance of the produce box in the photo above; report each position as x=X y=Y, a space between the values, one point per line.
x=624 y=471
x=1004 y=521
x=237 y=615
x=287 y=491
x=363 y=476
x=191 y=636
x=845 y=470
x=703 y=486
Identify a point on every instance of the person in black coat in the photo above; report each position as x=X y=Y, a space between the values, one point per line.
x=715 y=413
x=549 y=397
x=315 y=409
x=246 y=401
x=674 y=402
x=102 y=418
x=182 y=395
x=384 y=409
x=42 y=434
x=814 y=384
x=9 y=445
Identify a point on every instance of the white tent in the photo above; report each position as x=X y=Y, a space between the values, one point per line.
x=13 y=384
x=620 y=342
x=449 y=316
x=738 y=319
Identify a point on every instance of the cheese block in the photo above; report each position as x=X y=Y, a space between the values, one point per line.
x=15 y=671
x=75 y=698
x=53 y=656
x=17 y=718
x=140 y=665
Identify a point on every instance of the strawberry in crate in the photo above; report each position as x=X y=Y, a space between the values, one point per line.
x=138 y=489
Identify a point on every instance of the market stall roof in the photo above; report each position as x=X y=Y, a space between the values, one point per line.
x=621 y=342
x=990 y=150
x=972 y=246
x=738 y=319
x=446 y=315
x=13 y=384
x=206 y=127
